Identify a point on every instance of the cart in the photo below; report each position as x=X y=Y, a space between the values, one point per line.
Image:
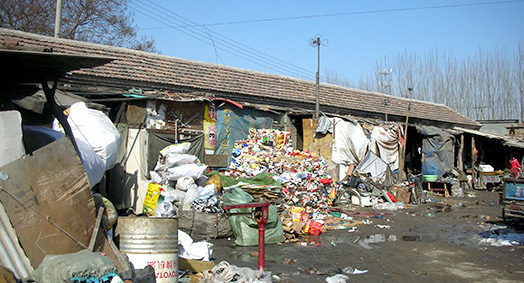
x=512 y=199
x=487 y=180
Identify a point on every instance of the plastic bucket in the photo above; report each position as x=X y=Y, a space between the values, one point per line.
x=151 y=241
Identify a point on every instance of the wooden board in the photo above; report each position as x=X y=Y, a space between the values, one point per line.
x=317 y=144
x=195 y=266
x=49 y=201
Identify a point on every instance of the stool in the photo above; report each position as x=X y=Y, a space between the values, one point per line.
x=437 y=188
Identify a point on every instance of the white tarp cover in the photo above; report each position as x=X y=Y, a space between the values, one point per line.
x=374 y=165
x=350 y=142
x=384 y=143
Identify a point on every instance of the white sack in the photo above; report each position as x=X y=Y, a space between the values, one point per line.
x=192 y=194
x=11 y=144
x=194 y=171
x=171 y=160
x=350 y=143
x=185 y=183
x=96 y=129
x=155 y=177
x=179 y=148
x=92 y=163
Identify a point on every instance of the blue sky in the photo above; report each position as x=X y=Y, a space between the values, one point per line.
x=272 y=36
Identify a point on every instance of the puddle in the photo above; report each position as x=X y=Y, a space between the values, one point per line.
x=253 y=257
x=375 y=239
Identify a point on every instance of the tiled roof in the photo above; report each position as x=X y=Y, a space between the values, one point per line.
x=165 y=70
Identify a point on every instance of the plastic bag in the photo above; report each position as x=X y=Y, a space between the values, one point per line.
x=215 y=179
x=193 y=250
x=192 y=194
x=179 y=148
x=95 y=128
x=185 y=183
x=193 y=170
x=175 y=160
x=165 y=206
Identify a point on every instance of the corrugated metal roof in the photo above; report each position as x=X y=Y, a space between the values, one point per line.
x=505 y=140
x=12 y=255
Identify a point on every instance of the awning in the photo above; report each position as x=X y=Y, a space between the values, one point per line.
x=505 y=140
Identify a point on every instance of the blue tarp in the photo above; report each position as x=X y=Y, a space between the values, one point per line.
x=233 y=124
x=437 y=150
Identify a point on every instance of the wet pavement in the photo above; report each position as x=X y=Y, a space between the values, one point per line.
x=447 y=240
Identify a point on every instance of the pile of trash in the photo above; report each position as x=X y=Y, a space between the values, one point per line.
x=304 y=178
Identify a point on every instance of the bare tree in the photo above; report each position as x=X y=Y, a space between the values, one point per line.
x=485 y=85
x=99 y=21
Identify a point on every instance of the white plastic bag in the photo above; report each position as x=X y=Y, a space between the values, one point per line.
x=193 y=250
x=184 y=183
x=192 y=194
x=95 y=128
x=171 y=160
x=179 y=148
x=194 y=171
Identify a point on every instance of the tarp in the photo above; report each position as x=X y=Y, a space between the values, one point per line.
x=437 y=150
x=233 y=124
x=385 y=143
x=373 y=165
x=350 y=142
x=158 y=141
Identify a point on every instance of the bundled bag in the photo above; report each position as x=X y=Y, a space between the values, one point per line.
x=203 y=226
x=244 y=227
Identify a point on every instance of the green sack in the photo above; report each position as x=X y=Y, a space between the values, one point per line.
x=245 y=227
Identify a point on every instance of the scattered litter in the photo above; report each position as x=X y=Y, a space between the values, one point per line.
x=351 y=270
x=500 y=237
x=389 y=206
x=339 y=278
x=225 y=272
x=193 y=250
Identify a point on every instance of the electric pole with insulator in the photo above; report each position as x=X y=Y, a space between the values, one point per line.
x=316 y=42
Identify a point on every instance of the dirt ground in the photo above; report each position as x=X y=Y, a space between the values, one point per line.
x=445 y=240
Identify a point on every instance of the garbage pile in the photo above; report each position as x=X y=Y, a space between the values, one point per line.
x=304 y=178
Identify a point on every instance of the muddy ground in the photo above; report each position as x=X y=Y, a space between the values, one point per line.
x=447 y=240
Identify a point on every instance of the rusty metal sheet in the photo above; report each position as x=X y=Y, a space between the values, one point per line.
x=48 y=200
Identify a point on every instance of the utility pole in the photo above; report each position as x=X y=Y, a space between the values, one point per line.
x=316 y=42
x=58 y=18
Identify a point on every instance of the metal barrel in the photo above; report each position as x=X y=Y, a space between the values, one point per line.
x=151 y=241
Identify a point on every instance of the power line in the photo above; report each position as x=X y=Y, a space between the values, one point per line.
x=233 y=48
x=365 y=12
